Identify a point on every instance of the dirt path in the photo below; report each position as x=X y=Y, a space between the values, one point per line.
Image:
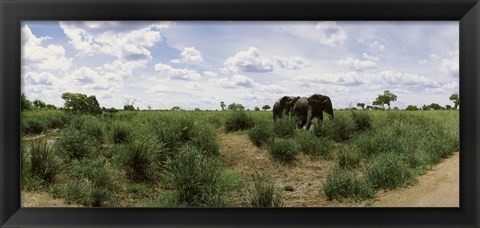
x=41 y=199
x=439 y=187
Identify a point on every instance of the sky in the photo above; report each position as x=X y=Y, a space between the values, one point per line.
x=198 y=64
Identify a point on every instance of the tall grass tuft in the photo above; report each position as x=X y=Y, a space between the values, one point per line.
x=196 y=178
x=121 y=133
x=283 y=150
x=348 y=157
x=263 y=192
x=238 y=120
x=339 y=129
x=362 y=120
x=261 y=133
x=75 y=144
x=387 y=171
x=45 y=164
x=341 y=184
x=313 y=146
x=142 y=159
x=285 y=127
x=93 y=183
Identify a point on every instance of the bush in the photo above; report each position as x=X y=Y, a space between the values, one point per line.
x=141 y=160
x=175 y=131
x=75 y=144
x=341 y=184
x=387 y=171
x=34 y=126
x=362 y=120
x=348 y=157
x=93 y=183
x=311 y=145
x=285 y=127
x=205 y=139
x=261 y=133
x=339 y=129
x=45 y=164
x=238 y=120
x=96 y=129
x=263 y=192
x=195 y=177
x=121 y=133
x=283 y=150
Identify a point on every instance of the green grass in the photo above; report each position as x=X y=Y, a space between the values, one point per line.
x=285 y=127
x=283 y=150
x=313 y=146
x=261 y=134
x=341 y=184
x=263 y=192
x=238 y=120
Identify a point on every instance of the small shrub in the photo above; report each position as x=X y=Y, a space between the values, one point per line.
x=96 y=129
x=205 y=139
x=121 y=133
x=362 y=120
x=263 y=192
x=261 y=133
x=141 y=160
x=339 y=129
x=76 y=145
x=387 y=171
x=285 y=127
x=34 y=126
x=175 y=132
x=311 y=145
x=45 y=164
x=238 y=120
x=348 y=157
x=93 y=183
x=341 y=184
x=195 y=177
x=283 y=150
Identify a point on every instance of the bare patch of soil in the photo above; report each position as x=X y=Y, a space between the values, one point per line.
x=42 y=199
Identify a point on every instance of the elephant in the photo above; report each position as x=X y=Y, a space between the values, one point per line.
x=284 y=106
x=306 y=108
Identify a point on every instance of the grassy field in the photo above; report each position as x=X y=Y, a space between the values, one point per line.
x=173 y=159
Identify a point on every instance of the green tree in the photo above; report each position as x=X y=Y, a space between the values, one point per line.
x=455 y=98
x=266 y=107
x=448 y=107
x=128 y=107
x=361 y=105
x=425 y=107
x=257 y=109
x=411 y=108
x=222 y=105
x=81 y=104
x=39 y=104
x=25 y=104
x=235 y=107
x=385 y=99
x=176 y=108
x=436 y=106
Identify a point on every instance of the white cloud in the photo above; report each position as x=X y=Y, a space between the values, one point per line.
x=294 y=62
x=451 y=66
x=407 y=79
x=177 y=73
x=330 y=34
x=372 y=44
x=276 y=89
x=349 y=78
x=237 y=81
x=189 y=55
x=42 y=78
x=247 y=61
x=369 y=62
x=42 y=57
x=109 y=38
x=124 y=68
x=209 y=73
x=422 y=61
x=448 y=88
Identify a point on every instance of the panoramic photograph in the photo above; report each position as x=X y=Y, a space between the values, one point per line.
x=211 y=114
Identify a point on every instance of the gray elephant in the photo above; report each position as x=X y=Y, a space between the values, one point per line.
x=307 y=108
x=284 y=106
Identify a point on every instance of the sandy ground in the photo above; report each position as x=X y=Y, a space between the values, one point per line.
x=438 y=187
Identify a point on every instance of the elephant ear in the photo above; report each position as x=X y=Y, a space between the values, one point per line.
x=324 y=99
x=315 y=98
x=295 y=99
x=284 y=100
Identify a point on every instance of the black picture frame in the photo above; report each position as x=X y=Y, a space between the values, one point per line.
x=12 y=12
